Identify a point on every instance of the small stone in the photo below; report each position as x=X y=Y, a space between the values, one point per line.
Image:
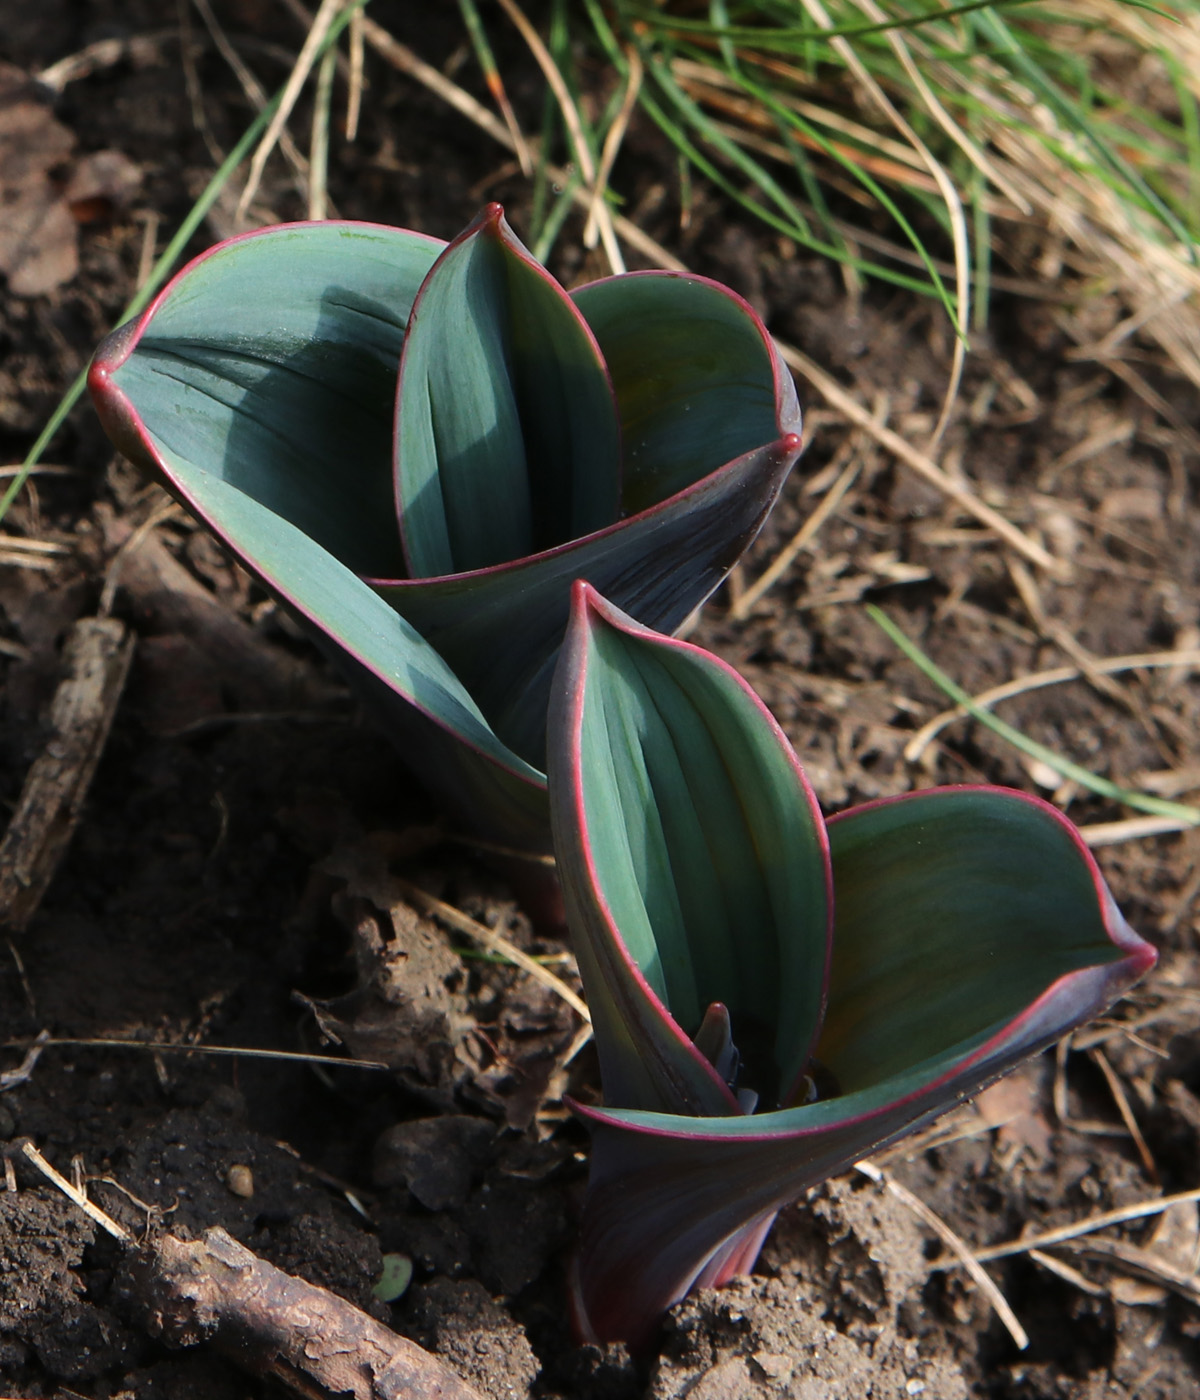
x=773 y=1364
x=240 y=1180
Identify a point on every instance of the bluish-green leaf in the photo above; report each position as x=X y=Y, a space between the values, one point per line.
x=693 y=862
x=271 y=361
x=697 y=379
x=244 y=408
x=972 y=929
x=500 y=629
x=507 y=439
x=956 y=908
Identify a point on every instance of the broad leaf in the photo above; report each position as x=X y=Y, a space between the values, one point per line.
x=697 y=378
x=252 y=441
x=271 y=363
x=682 y=822
x=971 y=928
x=507 y=440
x=500 y=629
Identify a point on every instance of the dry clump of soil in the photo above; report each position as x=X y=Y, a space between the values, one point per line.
x=239 y=875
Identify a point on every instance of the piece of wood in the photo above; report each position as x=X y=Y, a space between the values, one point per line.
x=96 y=659
x=217 y=1291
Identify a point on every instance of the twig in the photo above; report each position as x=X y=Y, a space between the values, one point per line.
x=957 y=1246
x=97 y=655
x=494 y=942
x=1087 y=1226
x=271 y=1324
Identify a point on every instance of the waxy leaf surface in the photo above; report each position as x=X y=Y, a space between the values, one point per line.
x=696 y=377
x=681 y=818
x=500 y=629
x=507 y=439
x=971 y=929
x=258 y=387
x=261 y=387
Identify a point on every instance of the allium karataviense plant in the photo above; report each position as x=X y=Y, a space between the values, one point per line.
x=417 y=447
x=774 y=997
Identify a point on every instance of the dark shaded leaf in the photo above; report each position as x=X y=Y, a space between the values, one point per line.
x=500 y=629
x=507 y=439
x=270 y=364
x=697 y=379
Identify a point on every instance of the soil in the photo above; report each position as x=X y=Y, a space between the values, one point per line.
x=234 y=880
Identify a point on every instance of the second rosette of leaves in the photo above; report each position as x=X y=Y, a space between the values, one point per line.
x=635 y=432
x=773 y=997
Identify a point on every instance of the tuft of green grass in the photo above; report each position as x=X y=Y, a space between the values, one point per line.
x=859 y=128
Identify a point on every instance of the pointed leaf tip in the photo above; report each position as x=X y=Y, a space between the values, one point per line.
x=682 y=820
x=507 y=438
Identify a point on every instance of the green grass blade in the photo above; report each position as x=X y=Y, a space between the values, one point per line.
x=1139 y=801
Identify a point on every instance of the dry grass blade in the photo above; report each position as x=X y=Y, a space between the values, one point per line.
x=1142 y=1263
x=318 y=154
x=495 y=84
x=299 y=76
x=612 y=144
x=919 y=462
x=957 y=1246
x=1086 y=1227
x=494 y=942
x=1121 y=1099
x=106 y=1222
x=1068 y=1274
x=159 y=1047
x=571 y=119
x=946 y=187
x=403 y=58
x=742 y=608
x=112 y=575
x=1132 y=829
x=558 y=86
x=355 y=84
x=249 y=83
x=1150 y=660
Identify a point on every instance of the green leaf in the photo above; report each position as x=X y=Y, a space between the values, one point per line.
x=500 y=629
x=507 y=440
x=693 y=862
x=956 y=908
x=245 y=413
x=696 y=376
x=271 y=361
x=972 y=929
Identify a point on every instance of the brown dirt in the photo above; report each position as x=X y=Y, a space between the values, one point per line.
x=245 y=824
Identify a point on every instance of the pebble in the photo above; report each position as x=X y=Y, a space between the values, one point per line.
x=240 y=1180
